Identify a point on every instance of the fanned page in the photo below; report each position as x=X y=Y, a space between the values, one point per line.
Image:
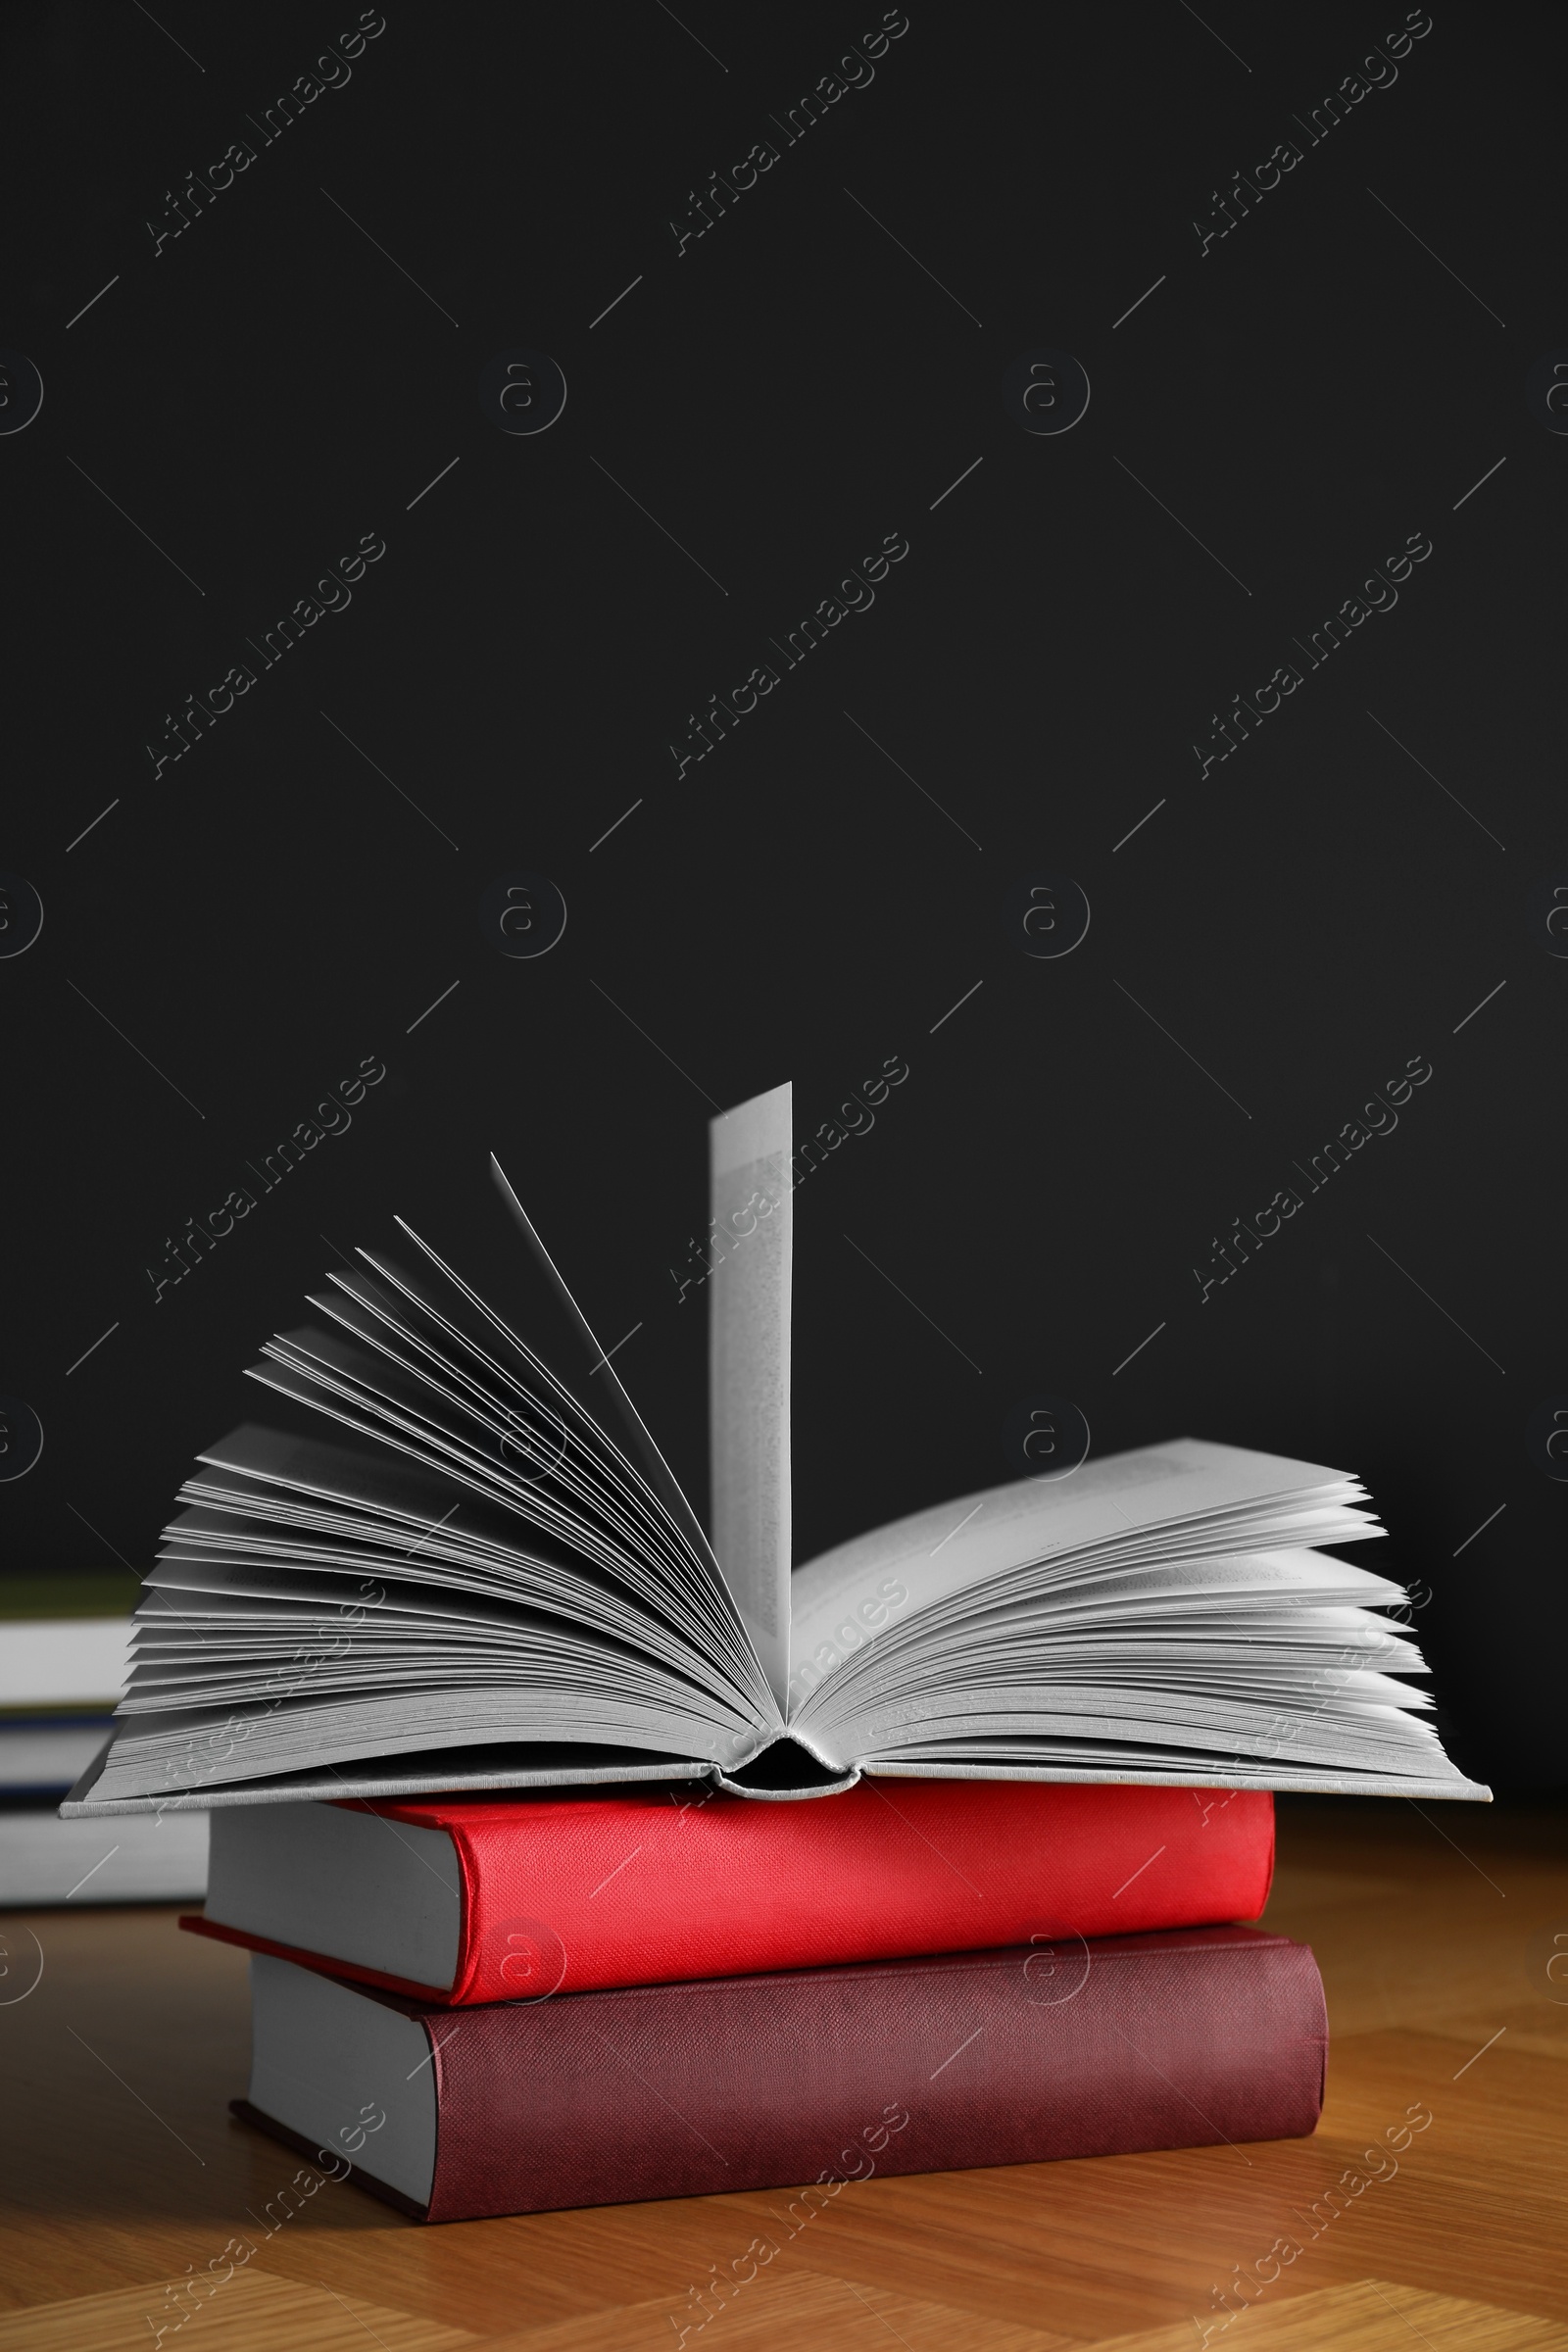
x=749 y=1368
x=1160 y=1615
x=499 y=1593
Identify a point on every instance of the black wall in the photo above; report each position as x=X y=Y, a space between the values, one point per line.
x=1295 y=402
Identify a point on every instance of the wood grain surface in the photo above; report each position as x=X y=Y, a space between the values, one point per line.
x=125 y=2181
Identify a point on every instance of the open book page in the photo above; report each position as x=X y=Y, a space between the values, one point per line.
x=612 y=1401
x=1187 y=1489
x=496 y=1574
x=749 y=1368
x=1161 y=1615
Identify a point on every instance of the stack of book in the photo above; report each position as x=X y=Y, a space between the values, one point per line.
x=588 y=1855
x=498 y=2006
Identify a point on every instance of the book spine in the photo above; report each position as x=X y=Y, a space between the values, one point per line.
x=584 y=1897
x=1065 y=2049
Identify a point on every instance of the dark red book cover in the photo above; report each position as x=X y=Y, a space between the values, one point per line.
x=648 y=1887
x=1066 y=2048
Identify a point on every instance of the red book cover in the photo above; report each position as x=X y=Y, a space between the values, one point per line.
x=645 y=1887
x=819 y=2076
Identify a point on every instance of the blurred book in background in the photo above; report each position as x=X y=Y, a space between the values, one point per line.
x=65 y=1654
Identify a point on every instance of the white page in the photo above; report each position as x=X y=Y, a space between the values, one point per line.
x=749 y=1368
x=941 y=1551
x=661 y=1479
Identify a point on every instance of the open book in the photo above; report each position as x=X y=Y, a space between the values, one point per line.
x=506 y=1588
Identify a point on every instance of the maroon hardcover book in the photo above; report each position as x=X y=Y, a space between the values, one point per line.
x=1071 y=2049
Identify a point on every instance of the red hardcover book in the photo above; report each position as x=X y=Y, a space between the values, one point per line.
x=467 y=1900
x=824 y=2076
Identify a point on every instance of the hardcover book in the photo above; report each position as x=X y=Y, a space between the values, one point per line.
x=1058 y=2048
x=476 y=1899
x=502 y=1585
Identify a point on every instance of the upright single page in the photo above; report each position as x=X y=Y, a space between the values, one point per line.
x=749 y=1368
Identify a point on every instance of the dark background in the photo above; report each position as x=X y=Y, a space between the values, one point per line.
x=245 y=927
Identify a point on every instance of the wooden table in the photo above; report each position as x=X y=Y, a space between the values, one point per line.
x=1432 y=1928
